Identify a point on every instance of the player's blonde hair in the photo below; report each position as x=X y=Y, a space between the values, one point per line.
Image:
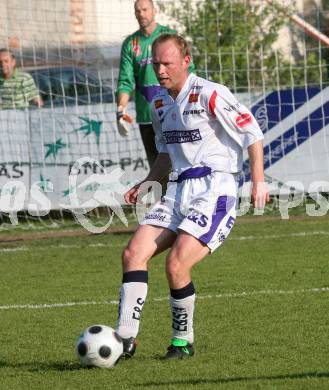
x=180 y=42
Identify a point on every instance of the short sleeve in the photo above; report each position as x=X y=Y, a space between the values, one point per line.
x=235 y=118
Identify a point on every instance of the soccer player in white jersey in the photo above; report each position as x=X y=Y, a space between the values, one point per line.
x=201 y=131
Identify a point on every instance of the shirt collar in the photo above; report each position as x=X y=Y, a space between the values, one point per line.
x=186 y=87
x=15 y=74
x=155 y=32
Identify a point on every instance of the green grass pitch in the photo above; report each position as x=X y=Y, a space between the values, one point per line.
x=261 y=320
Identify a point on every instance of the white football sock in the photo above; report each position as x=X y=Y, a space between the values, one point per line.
x=132 y=299
x=182 y=316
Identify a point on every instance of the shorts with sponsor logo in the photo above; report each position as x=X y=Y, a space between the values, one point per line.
x=203 y=207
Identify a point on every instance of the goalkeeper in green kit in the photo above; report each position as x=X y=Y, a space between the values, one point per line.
x=136 y=73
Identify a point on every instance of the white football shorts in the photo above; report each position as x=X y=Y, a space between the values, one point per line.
x=204 y=207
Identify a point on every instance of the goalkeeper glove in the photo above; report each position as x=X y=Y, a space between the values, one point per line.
x=123 y=122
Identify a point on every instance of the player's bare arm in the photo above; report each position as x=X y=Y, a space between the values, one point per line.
x=260 y=194
x=159 y=170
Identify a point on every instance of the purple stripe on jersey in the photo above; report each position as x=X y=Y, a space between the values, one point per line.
x=150 y=91
x=224 y=205
x=194 y=173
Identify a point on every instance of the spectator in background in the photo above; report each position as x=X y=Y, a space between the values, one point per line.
x=136 y=73
x=17 y=88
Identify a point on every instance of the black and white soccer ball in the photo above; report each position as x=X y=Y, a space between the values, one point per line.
x=99 y=346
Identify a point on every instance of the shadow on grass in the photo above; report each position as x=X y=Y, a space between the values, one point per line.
x=201 y=382
x=43 y=366
x=61 y=366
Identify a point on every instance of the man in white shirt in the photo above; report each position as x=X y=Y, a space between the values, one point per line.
x=201 y=131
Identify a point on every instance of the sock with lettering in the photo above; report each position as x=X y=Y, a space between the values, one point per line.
x=182 y=303
x=133 y=294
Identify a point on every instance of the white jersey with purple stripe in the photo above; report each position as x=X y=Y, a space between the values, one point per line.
x=204 y=126
x=204 y=131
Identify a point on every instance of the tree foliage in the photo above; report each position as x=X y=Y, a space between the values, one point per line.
x=233 y=43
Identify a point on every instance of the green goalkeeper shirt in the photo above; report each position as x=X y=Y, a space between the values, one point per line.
x=136 y=70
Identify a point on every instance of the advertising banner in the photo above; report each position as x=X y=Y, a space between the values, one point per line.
x=39 y=148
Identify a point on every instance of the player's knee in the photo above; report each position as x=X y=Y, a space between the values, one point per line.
x=129 y=257
x=132 y=259
x=174 y=268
